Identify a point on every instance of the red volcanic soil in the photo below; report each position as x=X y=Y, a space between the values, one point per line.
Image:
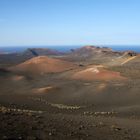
x=43 y=64
x=94 y=73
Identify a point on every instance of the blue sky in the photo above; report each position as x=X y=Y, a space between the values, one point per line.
x=69 y=22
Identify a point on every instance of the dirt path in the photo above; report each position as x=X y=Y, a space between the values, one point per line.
x=129 y=59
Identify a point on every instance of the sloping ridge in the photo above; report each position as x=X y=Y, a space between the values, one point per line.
x=89 y=51
x=97 y=73
x=93 y=54
x=43 y=64
x=41 y=52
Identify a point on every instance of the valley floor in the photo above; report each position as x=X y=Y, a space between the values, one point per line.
x=68 y=109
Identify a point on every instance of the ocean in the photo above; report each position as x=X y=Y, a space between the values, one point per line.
x=67 y=48
x=125 y=48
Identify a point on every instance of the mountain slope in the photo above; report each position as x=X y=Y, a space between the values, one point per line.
x=43 y=64
x=41 y=52
x=97 y=73
x=98 y=55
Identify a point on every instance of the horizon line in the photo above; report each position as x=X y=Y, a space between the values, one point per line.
x=1 y=46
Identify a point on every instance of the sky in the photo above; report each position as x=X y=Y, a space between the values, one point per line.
x=69 y=22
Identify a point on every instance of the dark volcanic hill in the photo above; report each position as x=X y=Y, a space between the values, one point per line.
x=41 y=52
x=83 y=55
x=15 y=58
x=98 y=55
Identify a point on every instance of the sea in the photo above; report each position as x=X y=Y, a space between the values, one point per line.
x=17 y=49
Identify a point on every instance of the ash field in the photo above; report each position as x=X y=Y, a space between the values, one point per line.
x=90 y=93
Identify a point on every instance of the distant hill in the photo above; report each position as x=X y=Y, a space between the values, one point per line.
x=41 y=51
x=97 y=55
x=15 y=58
x=83 y=55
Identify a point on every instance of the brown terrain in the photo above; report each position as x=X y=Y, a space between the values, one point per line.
x=91 y=93
x=97 y=73
x=41 y=65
